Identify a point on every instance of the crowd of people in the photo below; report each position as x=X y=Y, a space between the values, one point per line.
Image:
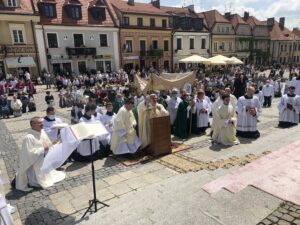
x=229 y=102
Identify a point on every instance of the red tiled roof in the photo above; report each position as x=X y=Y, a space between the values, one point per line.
x=26 y=7
x=139 y=8
x=237 y=20
x=179 y=11
x=213 y=16
x=87 y=18
x=278 y=34
x=253 y=21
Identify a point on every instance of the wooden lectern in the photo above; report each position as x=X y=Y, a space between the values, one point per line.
x=160 y=136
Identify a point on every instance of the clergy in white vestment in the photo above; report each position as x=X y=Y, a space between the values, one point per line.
x=224 y=123
x=35 y=146
x=124 y=139
x=259 y=95
x=233 y=100
x=173 y=104
x=268 y=92
x=296 y=83
x=289 y=107
x=83 y=151
x=147 y=111
x=49 y=121
x=108 y=120
x=248 y=109
x=202 y=109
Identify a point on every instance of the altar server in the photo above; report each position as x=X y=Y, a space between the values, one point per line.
x=108 y=120
x=268 y=92
x=35 y=146
x=289 y=107
x=248 y=109
x=49 y=121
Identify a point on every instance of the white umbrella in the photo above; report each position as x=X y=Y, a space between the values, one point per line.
x=194 y=59
x=236 y=61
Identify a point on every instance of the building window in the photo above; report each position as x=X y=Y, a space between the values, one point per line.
x=227 y=30
x=48 y=10
x=281 y=48
x=74 y=12
x=179 y=47
x=52 y=40
x=203 y=43
x=140 y=22
x=166 y=45
x=291 y=48
x=285 y=48
x=152 y=22
x=126 y=21
x=82 y=67
x=297 y=58
x=128 y=44
x=12 y=3
x=78 y=40
x=103 y=40
x=230 y=46
x=164 y=23
x=192 y=46
x=98 y=13
x=18 y=36
x=154 y=44
x=100 y=66
x=143 y=46
x=298 y=47
x=166 y=65
x=215 y=46
x=222 y=46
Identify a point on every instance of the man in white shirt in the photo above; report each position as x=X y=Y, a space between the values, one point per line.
x=268 y=92
x=49 y=121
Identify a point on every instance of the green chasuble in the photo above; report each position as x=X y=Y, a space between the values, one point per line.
x=136 y=116
x=117 y=105
x=181 y=121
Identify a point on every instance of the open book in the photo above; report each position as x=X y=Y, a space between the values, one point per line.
x=88 y=130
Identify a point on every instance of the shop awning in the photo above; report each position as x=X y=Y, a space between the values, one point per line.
x=16 y=62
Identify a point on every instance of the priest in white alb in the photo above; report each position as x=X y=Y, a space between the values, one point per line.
x=35 y=146
x=224 y=123
x=146 y=111
x=108 y=120
x=248 y=109
x=124 y=139
x=289 y=107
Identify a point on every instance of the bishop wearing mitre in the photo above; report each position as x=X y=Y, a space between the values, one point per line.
x=147 y=110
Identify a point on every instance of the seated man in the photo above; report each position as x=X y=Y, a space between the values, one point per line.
x=124 y=139
x=49 y=121
x=35 y=146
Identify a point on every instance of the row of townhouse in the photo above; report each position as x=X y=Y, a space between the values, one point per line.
x=106 y=35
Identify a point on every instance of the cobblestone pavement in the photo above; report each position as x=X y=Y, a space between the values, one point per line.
x=67 y=200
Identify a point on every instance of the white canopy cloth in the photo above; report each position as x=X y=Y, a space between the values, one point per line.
x=194 y=59
x=60 y=152
x=219 y=60
x=236 y=61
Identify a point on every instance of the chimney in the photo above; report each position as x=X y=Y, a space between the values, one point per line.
x=246 y=15
x=156 y=3
x=228 y=15
x=191 y=7
x=270 y=22
x=281 y=22
x=130 y=2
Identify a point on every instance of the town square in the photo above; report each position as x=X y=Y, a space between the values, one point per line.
x=133 y=112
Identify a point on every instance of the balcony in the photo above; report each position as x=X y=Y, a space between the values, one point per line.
x=81 y=51
x=152 y=53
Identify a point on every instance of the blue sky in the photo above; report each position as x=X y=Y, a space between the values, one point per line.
x=262 y=9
